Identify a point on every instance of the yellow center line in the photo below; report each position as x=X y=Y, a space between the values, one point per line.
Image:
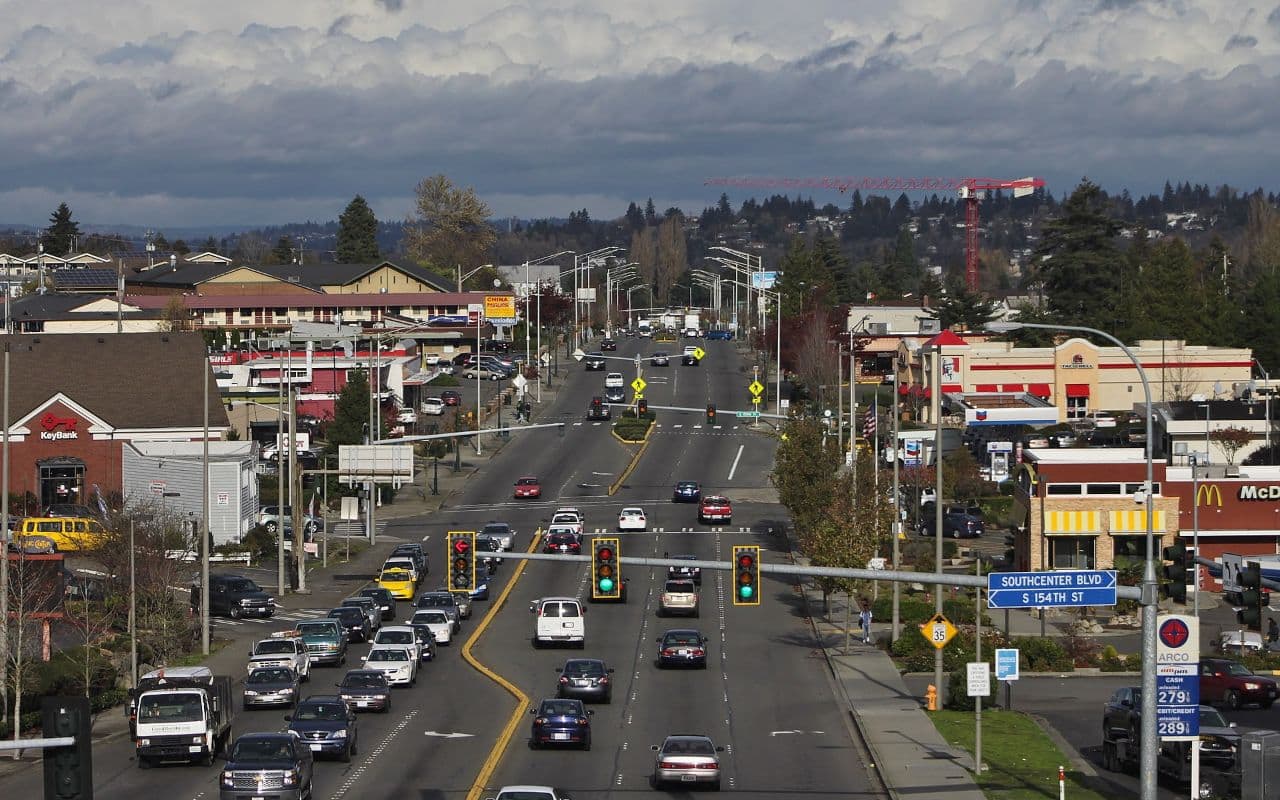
x=522 y=700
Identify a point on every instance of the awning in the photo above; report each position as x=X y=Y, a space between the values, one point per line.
x=1012 y=387
x=952 y=387
x=1077 y=390
x=985 y=387
x=1069 y=522
x=1135 y=521
x=1040 y=389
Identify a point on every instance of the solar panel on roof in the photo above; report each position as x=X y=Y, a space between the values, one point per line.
x=88 y=278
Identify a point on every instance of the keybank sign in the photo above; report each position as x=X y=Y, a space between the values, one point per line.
x=1248 y=492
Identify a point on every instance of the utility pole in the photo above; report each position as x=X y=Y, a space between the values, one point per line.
x=896 y=528
x=937 y=506
x=204 y=544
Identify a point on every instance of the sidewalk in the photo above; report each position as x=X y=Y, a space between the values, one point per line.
x=907 y=752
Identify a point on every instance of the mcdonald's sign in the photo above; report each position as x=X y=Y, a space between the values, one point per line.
x=1209 y=494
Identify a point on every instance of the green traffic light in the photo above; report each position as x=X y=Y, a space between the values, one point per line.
x=606 y=584
x=745 y=592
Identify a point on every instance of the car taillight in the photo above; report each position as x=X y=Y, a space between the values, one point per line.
x=539 y=720
x=698 y=651
x=667 y=651
x=672 y=765
x=602 y=681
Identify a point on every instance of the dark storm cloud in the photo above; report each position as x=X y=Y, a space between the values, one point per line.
x=1240 y=41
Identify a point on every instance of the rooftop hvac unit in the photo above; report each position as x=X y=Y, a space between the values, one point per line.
x=930 y=326
x=1232 y=471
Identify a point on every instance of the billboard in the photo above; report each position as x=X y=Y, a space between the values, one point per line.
x=499 y=307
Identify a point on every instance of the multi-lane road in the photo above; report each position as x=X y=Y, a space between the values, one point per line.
x=765 y=695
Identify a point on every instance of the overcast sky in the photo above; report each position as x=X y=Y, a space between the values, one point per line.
x=190 y=112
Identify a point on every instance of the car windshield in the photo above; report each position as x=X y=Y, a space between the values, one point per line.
x=364 y=681
x=499 y=527
x=584 y=669
x=435 y=600
x=561 y=538
x=395 y=637
x=273 y=675
x=388 y=654
x=632 y=512
x=347 y=614
x=170 y=707
x=274 y=646
x=677 y=638
x=689 y=747
x=242 y=585
x=395 y=576
x=273 y=749
x=560 y=708
x=333 y=712
x=1238 y=669
x=1210 y=718
x=315 y=629
x=432 y=617
x=678 y=587
x=527 y=482
x=565 y=519
x=525 y=795
x=375 y=594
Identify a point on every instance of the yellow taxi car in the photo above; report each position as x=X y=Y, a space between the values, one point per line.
x=399 y=582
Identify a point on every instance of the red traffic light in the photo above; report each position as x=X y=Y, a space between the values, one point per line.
x=605 y=554
x=746 y=560
x=461 y=546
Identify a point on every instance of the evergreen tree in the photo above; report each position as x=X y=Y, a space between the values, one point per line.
x=357 y=234
x=963 y=308
x=635 y=217
x=350 y=412
x=1080 y=275
x=63 y=232
x=650 y=213
x=1259 y=325
x=282 y=253
x=180 y=247
x=902 y=273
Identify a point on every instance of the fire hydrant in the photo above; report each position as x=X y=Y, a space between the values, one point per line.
x=931 y=697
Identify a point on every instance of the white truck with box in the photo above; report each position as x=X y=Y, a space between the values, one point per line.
x=182 y=716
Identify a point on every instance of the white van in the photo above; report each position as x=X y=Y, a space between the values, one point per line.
x=559 y=619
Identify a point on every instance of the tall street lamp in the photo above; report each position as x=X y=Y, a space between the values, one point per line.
x=528 y=290
x=580 y=263
x=462 y=277
x=1149 y=740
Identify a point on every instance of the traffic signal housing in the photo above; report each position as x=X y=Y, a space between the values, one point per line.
x=1250 y=596
x=746 y=571
x=711 y=413
x=606 y=576
x=68 y=771
x=642 y=407
x=1176 y=573
x=462 y=561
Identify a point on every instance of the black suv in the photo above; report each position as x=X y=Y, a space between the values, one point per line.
x=267 y=759
x=354 y=621
x=383 y=597
x=327 y=721
x=234 y=596
x=594 y=361
x=957 y=523
x=414 y=551
x=489 y=552
x=608 y=344
x=598 y=410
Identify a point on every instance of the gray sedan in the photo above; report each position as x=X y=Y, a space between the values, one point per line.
x=270 y=686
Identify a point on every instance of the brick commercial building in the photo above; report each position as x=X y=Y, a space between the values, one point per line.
x=76 y=399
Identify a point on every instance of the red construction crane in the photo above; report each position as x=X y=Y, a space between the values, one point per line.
x=971 y=190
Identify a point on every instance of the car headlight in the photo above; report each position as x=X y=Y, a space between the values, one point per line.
x=227 y=780
x=287 y=690
x=291 y=777
x=144 y=743
x=197 y=739
x=339 y=734
x=250 y=693
x=1252 y=687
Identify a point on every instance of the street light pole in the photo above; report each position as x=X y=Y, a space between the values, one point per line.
x=1195 y=528
x=1149 y=741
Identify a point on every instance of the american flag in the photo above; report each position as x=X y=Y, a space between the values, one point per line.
x=869 y=424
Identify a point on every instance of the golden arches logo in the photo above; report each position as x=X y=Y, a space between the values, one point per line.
x=1209 y=494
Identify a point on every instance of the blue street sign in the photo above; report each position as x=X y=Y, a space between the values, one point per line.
x=1052 y=588
x=1007 y=664
x=1177 y=701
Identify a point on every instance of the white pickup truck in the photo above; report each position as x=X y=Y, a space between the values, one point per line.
x=614 y=379
x=283 y=649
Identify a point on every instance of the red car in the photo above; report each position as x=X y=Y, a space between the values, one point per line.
x=451 y=398
x=715 y=508
x=528 y=487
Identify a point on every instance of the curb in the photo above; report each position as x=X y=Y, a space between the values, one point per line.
x=635 y=461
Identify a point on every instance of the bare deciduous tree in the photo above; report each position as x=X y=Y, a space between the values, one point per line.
x=35 y=591
x=673 y=258
x=450 y=226
x=816 y=358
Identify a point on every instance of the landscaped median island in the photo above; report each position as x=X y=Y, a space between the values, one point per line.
x=631 y=428
x=1020 y=760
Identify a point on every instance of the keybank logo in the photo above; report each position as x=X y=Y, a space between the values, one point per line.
x=1248 y=492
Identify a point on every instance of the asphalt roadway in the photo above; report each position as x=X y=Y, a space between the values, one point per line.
x=766 y=695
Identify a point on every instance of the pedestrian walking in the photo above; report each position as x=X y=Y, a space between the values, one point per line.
x=864 y=619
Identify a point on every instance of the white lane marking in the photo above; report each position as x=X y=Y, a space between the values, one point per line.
x=354 y=776
x=734 y=468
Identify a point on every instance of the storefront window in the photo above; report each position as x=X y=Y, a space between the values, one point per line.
x=1077 y=407
x=61 y=481
x=1071 y=552
x=1130 y=551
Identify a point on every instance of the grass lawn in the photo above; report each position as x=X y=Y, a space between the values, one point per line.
x=1021 y=760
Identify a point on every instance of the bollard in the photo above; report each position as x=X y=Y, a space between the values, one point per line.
x=931 y=697
x=1062 y=783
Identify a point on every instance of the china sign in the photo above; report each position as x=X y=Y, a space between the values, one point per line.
x=500 y=306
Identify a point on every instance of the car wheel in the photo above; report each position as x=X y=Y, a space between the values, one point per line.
x=1267 y=704
x=234 y=612
x=345 y=757
x=244 y=706
x=1232 y=699
x=272 y=527
x=144 y=762
x=386 y=708
x=310 y=792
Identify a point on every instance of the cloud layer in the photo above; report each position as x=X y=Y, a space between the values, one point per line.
x=187 y=113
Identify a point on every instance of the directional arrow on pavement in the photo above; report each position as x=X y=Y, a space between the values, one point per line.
x=452 y=735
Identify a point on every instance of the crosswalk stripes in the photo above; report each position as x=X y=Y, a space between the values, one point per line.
x=281 y=616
